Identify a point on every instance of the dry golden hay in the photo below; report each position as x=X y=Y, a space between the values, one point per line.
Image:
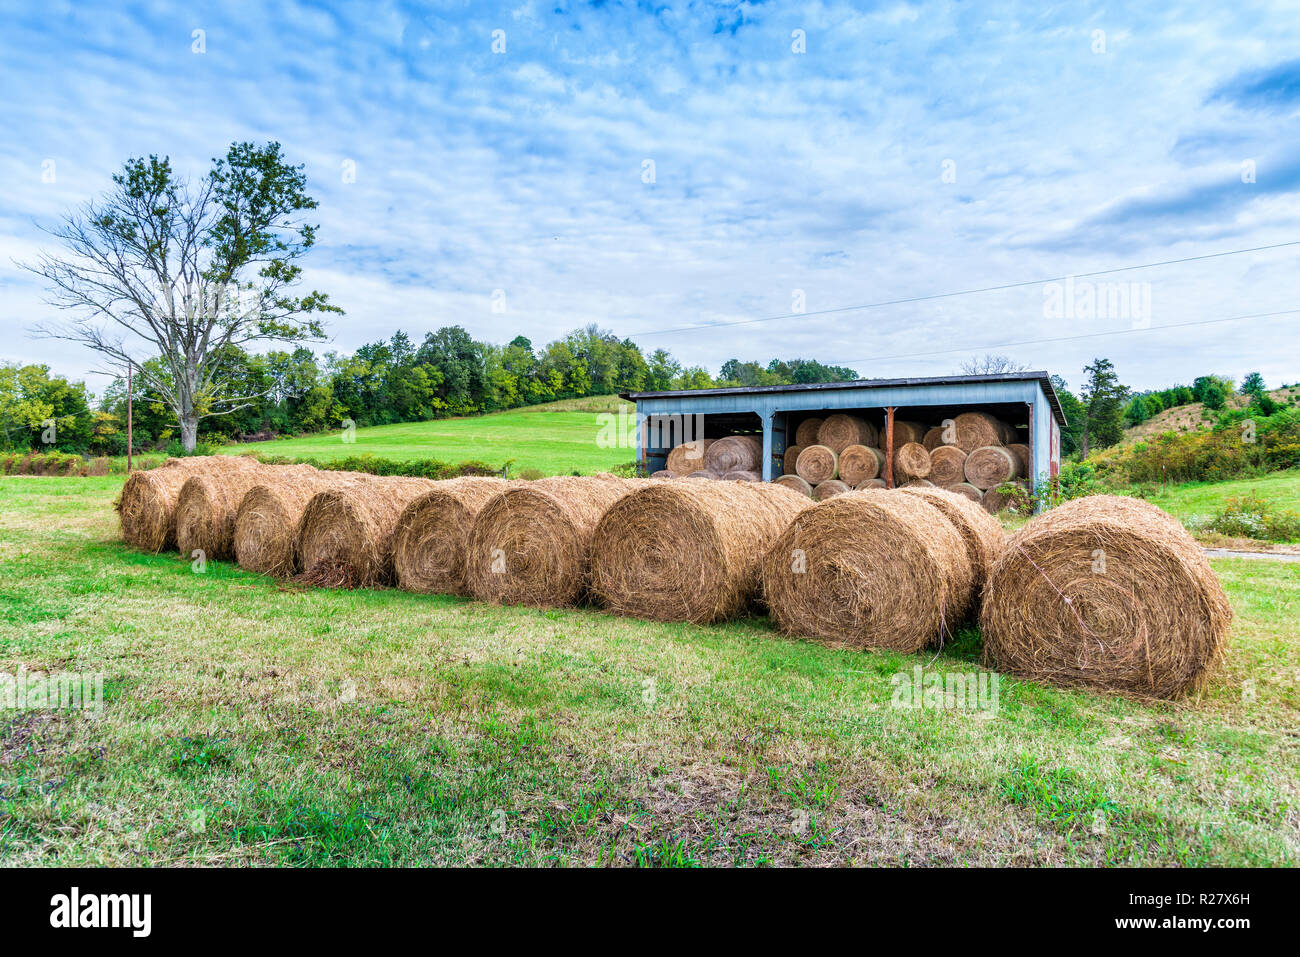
x=664 y=474
x=907 y=431
x=742 y=475
x=688 y=552
x=207 y=504
x=830 y=488
x=911 y=461
x=1109 y=593
x=975 y=430
x=991 y=465
x=734 y=453
x=688 y=457
x=947 y=465
x=796 y=483
x=1021 y=452
x=432 y=532
x=841 y=430
x=995 y=500
x=531 y=545
x=858 y=463
x=918 y=483
x=980 y=531
x=817 y=464
x=869 y=484
x=933 y=438
x=806 y=434
x=147 y=505
x=704 y=474
x=790 y=458
x=266 y=522
x=870 y=569
x=345 y=535
x=966 y=490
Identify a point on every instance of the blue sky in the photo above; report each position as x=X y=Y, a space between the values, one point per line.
x=913 y=148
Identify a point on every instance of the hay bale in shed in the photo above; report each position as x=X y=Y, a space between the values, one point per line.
x=687 y=457
x=947 y=465
x=966 y=490
x=817 y=464
x=906 y=431
x=266 y=522
x=704 y=474
x=869 y=484
x=664 y=474
x=734 y=453
x=532 y=545
x=1010 y=496
x=207 y=504
x=806 y=434
x=871 y=570
x=830 y=488
x=147 y=505
x=1110 y=593
x=975 y=430
x=857 y=463
x=796 y=483
x=345 y=535
x=933 y=438
x=429 y=539
x=790 y=458
x=918 y=483
x=991 y=465
x=980 y=531
x=742 y=475
x=1021 y=452
x=841 y=430
x=911 y=461
x=688 y=552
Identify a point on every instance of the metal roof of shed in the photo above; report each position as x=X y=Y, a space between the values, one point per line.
x=1042 y=378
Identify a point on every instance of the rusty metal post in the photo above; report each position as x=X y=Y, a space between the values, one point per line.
x=889 y=447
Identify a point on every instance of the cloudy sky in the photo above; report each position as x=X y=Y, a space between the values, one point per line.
x=675 y=171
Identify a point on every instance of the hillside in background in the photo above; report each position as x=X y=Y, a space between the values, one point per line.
x=1194 y=415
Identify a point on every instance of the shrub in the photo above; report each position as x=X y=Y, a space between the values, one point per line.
x=1253 y=516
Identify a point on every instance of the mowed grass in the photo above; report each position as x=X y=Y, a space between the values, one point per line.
x=557 y=439
x=1203 y=499
x=250 y=723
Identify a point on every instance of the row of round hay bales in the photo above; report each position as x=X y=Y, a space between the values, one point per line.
x=147 y=505
x=734 y=458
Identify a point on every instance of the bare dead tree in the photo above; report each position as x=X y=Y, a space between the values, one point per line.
x=991 y=364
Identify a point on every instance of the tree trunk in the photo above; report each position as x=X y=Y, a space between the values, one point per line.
x=189 y=431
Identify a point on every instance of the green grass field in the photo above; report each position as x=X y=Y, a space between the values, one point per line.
x=557 y=439
x=1200 y=499
x=247 y=722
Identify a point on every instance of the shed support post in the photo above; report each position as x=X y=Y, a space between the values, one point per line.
x=889 y=446
x=767 y=445
x=641 y=421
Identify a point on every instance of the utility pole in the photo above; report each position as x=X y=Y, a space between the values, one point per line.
x=128 y=418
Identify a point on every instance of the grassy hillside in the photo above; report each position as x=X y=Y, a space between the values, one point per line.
x=249 y=723
x=1193 y=416
x=557 y=438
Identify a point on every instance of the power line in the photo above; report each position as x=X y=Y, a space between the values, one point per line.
x=962 y=292
x=1088 y=335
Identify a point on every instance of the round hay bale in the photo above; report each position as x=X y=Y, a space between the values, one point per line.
x=742 y=475
x=1109 y=593
x=966 y=490
x=918 y=483
x=860 y=462
x=531 y=545
x=975 y=430
x=947 y=465
x=871 y=570
x=704 y=474
x=911 y=461
x=817 y=464
x=933 y=438
x=345 y=535
x=980 y=531
x=790 y=458
x=869 y=484
x=147 y=504
x=991 y=465
x=687 y=457
x=1021 y=452
x=1001 y=498
x=735 y=453
x=830 y=488
x=430 y=537
x=1006 y=430
x=266 y=522
x=207 y=504
x=906 y=431
x=688 y=552
x=664 y=474
x=806 y=434
x=841 y=430
x=796 y=483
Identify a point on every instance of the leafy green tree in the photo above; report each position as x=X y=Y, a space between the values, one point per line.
x=1075 y=417
x=1253 y=385
x=1103 y=399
